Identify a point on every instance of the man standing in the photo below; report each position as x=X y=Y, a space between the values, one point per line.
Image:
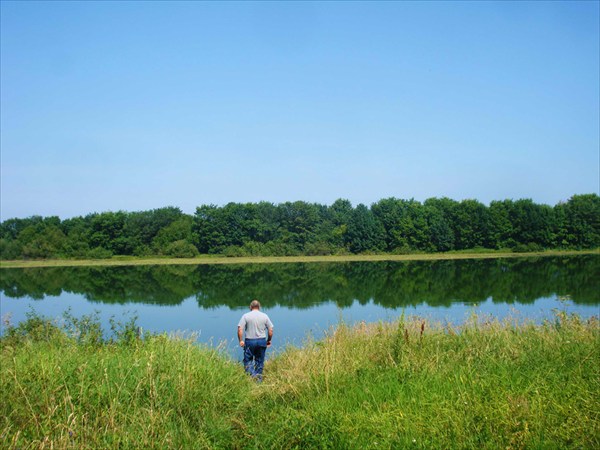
x=259 y=332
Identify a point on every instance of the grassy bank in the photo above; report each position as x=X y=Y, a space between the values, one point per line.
x=386 y=385
x=215 y=259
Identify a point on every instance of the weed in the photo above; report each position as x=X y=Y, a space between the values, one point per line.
x=407 y=384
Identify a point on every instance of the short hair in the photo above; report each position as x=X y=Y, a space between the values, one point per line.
x=254 y=304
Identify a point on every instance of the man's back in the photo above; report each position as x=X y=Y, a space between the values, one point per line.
x=255 y=323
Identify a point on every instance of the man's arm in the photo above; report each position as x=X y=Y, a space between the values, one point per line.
x=270 y=337
x=241 y=336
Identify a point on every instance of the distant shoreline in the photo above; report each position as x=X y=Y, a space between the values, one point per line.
x=218 y=259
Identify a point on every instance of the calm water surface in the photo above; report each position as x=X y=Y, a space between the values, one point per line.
x=305 y=298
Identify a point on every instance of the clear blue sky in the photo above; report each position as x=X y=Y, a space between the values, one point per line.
x=134 y=106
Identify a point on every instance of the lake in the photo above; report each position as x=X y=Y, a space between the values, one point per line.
x=305 y=299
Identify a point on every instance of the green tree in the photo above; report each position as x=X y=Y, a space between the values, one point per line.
x=532 y=223
x=179 y=230
x=404 y=222
x=45 y=243
x=364 y=232
x=581 y=221
x=107 y=232
x=208 y=230
x=298 y=221
x=447 y=209
x=441 y=238
x=339 y=215
x=263 y=223
x=77 y=230
x=140 y=228
x=501 y=232
x=470 y=224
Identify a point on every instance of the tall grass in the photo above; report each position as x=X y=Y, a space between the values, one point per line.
x=491 y=385
x=410 y=383
x=60 y=391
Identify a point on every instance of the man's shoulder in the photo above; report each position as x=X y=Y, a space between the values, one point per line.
x=264 y=316
x=257 y=314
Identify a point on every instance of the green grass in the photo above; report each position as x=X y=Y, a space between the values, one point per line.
x=408 y=384
x=63 y=392
x=219 y=259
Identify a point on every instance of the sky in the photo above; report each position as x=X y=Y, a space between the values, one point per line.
x=133 y=106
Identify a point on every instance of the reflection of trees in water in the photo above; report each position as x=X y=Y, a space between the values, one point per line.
x=167 y=285
x=387 y=283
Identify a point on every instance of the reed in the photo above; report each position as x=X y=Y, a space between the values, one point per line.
x=409 y=383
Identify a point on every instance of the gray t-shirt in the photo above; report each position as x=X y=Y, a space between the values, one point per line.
x=255 y=324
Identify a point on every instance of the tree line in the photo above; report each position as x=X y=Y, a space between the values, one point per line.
x=300 y=228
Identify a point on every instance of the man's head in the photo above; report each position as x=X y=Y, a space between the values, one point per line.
x=254 y=304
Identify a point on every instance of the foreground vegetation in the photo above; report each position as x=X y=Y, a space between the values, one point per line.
x=386 y=385
x=299 y=228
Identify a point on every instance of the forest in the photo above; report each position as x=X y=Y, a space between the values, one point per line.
x=390 y=225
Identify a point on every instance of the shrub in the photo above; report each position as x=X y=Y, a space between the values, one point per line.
x=99 y=253
x=10 y=249
x=36 y=328
x=527 y=248
x=142 y=250
x=181 y=249
x=318 y=249
x=85 y=330
x=405 y=249
x=234 y=251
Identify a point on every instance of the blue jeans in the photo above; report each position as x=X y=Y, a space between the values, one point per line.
x=254 y=357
